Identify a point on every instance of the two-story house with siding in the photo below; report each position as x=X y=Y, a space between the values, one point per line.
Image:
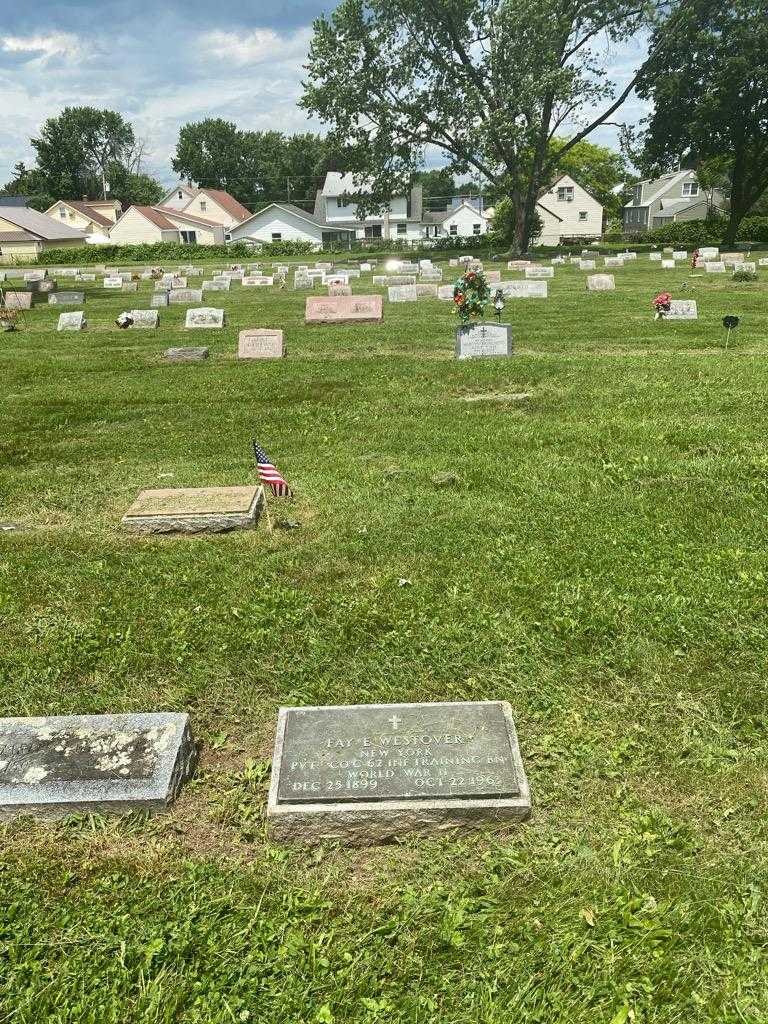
x=676 y=196
x=567 y=210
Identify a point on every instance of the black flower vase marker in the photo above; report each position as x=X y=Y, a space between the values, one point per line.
x=730 y=323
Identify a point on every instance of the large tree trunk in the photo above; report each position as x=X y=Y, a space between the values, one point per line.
x=735 y=218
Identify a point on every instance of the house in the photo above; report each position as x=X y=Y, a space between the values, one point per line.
x=676 y=196
x=210 y=203
x=281 y=222
x=567 y=210
x=93 y=217
x=461 y=220
x=148 y=224
x=25 y=233
x=401 y=220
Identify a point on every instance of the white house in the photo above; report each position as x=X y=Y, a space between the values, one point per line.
x=283 y=222
x=212 y=204
x=401 y=220
x=464 y=219
x=568 y=211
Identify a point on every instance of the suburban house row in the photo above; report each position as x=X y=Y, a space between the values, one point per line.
x=205 y=216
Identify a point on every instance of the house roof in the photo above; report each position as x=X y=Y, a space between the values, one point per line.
x=17 y=236
x=668 y=179
x=87 y=211
x=155 y=216
x=551 y=213
x=39 y=224
x=338 y=184
x=297 y=212
x=227 y=202
x=183 y=215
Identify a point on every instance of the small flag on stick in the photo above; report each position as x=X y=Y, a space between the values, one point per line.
x=269 y=475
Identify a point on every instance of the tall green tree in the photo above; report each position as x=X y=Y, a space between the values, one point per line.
x=437 y=185
x=253 y=166
x=30 y=182
x=75 y=149
x=708 y=81
x=490 y=83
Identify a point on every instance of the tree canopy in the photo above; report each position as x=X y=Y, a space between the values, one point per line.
x=490 y=83
x=253 y=166
x=80 y=151
x=709 y=85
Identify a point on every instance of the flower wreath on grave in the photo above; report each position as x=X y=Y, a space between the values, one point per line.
x=662 y=304
x=470 y=294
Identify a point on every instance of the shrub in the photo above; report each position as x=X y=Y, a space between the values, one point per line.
x=158 y=252
x=753 y=229
x=744 y=275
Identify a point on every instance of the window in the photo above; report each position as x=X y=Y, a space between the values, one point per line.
x=402 y=229
x=690 y=188
x=180 y=194
x=583 y=215
x=373 y=231
x=476 y=229
x=453 y=229
x=565 y=194
x=277 y=236
x=188 y=237
x=63 y=212
x=203 y=206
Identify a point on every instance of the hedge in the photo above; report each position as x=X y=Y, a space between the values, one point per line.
x=160 y=252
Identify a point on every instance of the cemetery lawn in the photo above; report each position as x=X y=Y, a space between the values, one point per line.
x=579 y=530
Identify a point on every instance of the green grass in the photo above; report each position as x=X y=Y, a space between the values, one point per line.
x=600 y=563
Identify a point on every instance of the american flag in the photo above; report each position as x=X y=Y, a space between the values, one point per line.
x=269 y=475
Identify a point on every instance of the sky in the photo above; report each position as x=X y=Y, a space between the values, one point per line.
x=164 y=65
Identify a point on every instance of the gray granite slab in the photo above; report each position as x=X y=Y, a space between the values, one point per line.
x=191 y=354
x=158 y=300
x=72 y=321
x=369 y=773
x=483 y=339
x=204 y=317
x=66 y=299
x=54 y=766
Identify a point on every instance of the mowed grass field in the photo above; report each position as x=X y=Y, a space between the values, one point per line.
x=599 y=561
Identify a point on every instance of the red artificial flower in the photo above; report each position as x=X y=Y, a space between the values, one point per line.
x=663 y=299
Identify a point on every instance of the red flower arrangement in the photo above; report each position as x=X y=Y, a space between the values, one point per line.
x=661 y=304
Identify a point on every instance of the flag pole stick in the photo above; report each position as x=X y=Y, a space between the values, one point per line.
x=266 y=512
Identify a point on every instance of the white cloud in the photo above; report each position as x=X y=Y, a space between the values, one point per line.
x=255 y=47
x=55 y=44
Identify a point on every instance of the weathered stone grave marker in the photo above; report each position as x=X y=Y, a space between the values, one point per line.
x=195 y=510
x=483 y=339
x=343 y=309
x=66 y=299
x=72 y=322
x=204 y=317
x=106 y=764
x=260 y=343
x=601 y=283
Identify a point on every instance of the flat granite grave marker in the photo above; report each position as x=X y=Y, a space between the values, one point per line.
x=484 y=338
x=714 y=267
x=667 y=264
x=194 y=354
x=195 y=510
x=613 y=261
x=344 y=309
x=370 y=773
x=680 y=254
x=259 y=281
x=601 y=283
x=681 y=309
x=106 y=764
x=445 y=291
x=42 y=286
x=204 y=317
x=339 y=289
x=539 y=273
x=159 y=299
x=66 y=299
x=655 y=257
x=112 y=282
x=72 y=322
x=586 y=264
x=260 y=343
x=424 y=291
x=219 y=285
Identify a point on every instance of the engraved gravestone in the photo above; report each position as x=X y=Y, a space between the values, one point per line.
x=343 y=309
x=538 y=273
x=403 y=293
x=445 y=291
x=426 y=290
x=42 y=286
x=601 y=283
x=523 y=289
x=183 y=296
x=158 y=300
x=586 y=264
x=655 y=257
x=613 y=261
x=339 y=289
x=66 y=299
x=145 y=319
x=301 y=281
x=667 y=264
x=518 y=264
x=714 y=267
x=492 y=276
x=483 y=339
x=112 y=282
x=195 y=510
x=72 y=322
x=107 y=764
x=680 y=254
x=18 y=300
x=178 y=282
x=260 y=343
x=681 y=309
x=258 y=282
x=204 y=317
x=220 y=284
x=368 y=773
